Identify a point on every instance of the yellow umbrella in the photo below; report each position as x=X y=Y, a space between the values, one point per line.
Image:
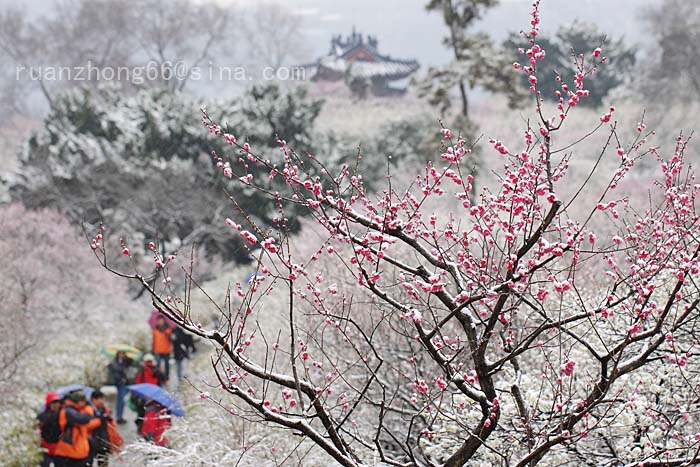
x=130 y=351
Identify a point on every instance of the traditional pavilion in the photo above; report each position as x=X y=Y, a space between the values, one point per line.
x=358 y=57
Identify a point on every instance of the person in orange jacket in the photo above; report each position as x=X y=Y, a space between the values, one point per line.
x=162 y=346
x=76 y=420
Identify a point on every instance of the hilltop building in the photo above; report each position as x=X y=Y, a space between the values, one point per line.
x=357 y=61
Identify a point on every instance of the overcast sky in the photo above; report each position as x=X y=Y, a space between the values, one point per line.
x=405 y=30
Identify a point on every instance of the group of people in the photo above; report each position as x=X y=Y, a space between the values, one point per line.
x=166 y=342
x=77 y=432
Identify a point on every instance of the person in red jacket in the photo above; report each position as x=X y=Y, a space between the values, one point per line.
x=48 y=426
x=155 y=422
x=149 y=373
x=77 y=420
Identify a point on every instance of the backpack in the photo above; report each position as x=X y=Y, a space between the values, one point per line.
x=50 y=430
x=115 y=439
x=150 y=374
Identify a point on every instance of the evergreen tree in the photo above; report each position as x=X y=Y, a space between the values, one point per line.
x=143 y=164
x=476 y=60
x=579 y=38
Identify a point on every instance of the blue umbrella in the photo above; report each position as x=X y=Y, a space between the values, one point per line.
x=158 y=394
x=63 y=391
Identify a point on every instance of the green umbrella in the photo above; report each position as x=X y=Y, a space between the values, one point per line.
x=130 y=351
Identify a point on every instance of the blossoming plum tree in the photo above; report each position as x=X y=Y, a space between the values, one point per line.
x=504 y=332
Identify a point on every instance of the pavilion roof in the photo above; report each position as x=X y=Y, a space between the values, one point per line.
x=361 y=57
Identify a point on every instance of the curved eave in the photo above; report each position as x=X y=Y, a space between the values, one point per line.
x=389 y=70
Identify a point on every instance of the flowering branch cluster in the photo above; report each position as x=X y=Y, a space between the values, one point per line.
x=503 y=332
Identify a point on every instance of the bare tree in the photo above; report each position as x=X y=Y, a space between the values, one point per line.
x=674 y=68
x=18 y=41
x=133 y=44
x=274 y=36
x=184 y=36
